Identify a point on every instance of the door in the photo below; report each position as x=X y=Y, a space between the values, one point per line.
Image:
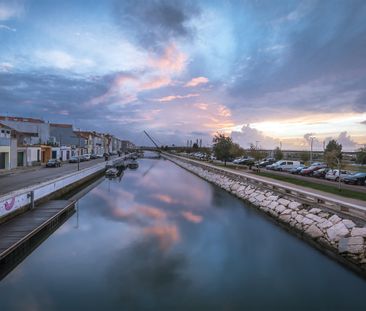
x=54 y=154
x=20 y=159
x=2 y=160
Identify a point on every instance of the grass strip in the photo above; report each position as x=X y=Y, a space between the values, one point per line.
x=308 y=184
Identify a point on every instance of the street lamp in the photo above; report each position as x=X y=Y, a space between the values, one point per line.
x=311 y=148
x=79 y=151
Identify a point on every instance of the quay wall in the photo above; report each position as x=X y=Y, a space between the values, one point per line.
x=20 y=200
x=336 y=234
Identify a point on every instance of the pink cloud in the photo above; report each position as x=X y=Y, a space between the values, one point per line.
x=174 y=97
x=192 y=217
x=196 y=81
x=167 y=235
x=172 y=60
x=155 y=83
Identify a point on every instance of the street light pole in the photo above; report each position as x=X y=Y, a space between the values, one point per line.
x=79 y=151
x=311 y=148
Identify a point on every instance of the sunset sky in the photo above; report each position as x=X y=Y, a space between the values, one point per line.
x=267 y=71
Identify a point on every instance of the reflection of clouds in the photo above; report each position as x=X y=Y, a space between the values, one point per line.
x=145 y=276
x=164 y=198
x=192 y=217
x=167 y=235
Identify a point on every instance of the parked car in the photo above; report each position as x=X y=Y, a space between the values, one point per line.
x=321 y=172
x=297 y=169
x=311 y=169
x=74 y=160
x=53 y=163
x=244 y=161
x=93 y=156
x=334 y=174
x=266 y=162
x=86 y=157
x=356 y=179
x=285 y=165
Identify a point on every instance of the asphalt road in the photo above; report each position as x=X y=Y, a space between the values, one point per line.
x=32 y=176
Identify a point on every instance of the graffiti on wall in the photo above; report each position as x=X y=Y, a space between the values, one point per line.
x=9 y=205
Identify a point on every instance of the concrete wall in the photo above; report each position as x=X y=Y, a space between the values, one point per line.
x=16 y=200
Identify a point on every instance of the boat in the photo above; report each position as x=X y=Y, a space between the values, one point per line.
x=111 y=172
x=133 y=164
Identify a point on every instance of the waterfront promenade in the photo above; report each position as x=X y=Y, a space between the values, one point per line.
x=23 y=178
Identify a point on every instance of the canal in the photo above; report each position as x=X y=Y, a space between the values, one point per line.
x=161 y=239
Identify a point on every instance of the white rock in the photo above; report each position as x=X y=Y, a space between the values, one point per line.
x=325 y=225
x=337 y=231
x=294 y=205
x=323 y=215
x=359 y=232
x=273 y=205
x=299 y=218
x=285 y=218
x=335 y=219
x=265 y=203
x=260 y=198
x=315 y=218
x=307 y=221
x=283 y=202
x=315 y=210
x=273 y=197
x=353 y=245
x=293 y=214
x=280 y=208
x=286 y=212
x=314 y=232
x=349 y=223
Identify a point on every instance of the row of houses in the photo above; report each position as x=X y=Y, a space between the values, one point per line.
x=29 y=142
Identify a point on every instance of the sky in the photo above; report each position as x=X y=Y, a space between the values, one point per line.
x=271 y=73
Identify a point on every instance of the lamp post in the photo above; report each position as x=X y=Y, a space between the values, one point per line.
x=311 y=148
x=79 y=151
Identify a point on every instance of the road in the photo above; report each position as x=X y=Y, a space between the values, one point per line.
x=32 y=176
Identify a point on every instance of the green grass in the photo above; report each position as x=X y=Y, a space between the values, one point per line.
x=326 y=188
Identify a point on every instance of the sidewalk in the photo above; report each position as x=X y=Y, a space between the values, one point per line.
x=18 y=170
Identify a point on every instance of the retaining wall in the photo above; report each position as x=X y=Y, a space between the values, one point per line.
x=329 y=231
x=17 y=201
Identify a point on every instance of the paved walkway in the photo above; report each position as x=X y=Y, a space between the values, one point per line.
x=24 y=178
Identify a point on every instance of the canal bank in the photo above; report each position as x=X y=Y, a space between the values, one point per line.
x=338 y=234
x=19 y=201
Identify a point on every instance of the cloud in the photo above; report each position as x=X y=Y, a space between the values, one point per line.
x=154 y=24
x=7 y=28
x=196 y=81
x=192 y=217
x=345 y=140
x=248 y=135
x=9 y=10
x=6 y=67
x=62 y=60
x=171 y=60
x=174 y=97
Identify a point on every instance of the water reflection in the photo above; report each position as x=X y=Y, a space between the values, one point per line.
x=164 y=239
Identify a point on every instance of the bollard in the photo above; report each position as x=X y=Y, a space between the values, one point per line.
x=31 y=196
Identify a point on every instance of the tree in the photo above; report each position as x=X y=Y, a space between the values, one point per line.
x=304 y=156
x=195 y=146
x=223 y=147
x=361 y=156
x=333 y=154
x=278 y=154
x=255 y=153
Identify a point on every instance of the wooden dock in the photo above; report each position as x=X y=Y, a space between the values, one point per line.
x=21 y=231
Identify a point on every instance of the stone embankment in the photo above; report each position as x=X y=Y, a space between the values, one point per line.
x=324 y=229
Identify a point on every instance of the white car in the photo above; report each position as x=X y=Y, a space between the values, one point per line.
x=334 y=174
x=285 y=165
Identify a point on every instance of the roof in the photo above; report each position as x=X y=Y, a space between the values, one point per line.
x=5 y=126
x=21 y=119
x=61 y=125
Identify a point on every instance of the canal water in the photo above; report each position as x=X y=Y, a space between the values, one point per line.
x=163 y=239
